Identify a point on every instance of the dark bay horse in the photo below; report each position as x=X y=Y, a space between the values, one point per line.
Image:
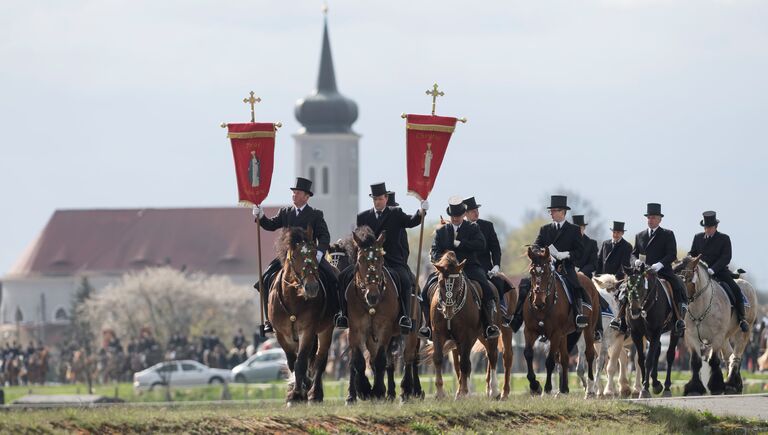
x=298 y=309
x=372 y=305
x=548 y=313
x=455 y=316
x=649 y=315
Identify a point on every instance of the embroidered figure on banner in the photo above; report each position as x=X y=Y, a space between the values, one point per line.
x=427 y=160
x=254 y=170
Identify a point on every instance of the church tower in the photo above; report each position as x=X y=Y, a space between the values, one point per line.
x=327 y=148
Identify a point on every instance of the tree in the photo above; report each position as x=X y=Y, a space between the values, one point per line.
x=80 y=333
x=514 y=252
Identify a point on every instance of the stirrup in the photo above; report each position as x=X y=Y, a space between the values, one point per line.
x=543 y=338
x=615 y=324
x=492 y=331
x=581 y=321
x=341 y=321
x=405 y=323
x=598 y=336
x=679 y=328
x=506 y=321
x=267 y=328
x=425 y=332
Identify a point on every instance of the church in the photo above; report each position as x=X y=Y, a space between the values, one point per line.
x=102 y=245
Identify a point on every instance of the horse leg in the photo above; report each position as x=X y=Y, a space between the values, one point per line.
x=694 y=387
x=407 y=387
x=390 y=367
x=670 y=360
x=533 y=384
x=354 y=354
x=550 y=364
x=564 y=364
x=734 y=384
x=613 y=363
x=492 y=380
x=508 y=359
x=299 y=393
x=716 y=385
x=290 y=356
x=652 y=361
x=581 y=345
x=590 y=354
x=437 y=360
x=466 y=371
x=316 y=394
x=640 y=350
x=379 y=363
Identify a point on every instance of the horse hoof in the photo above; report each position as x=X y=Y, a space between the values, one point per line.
x=666 y=393
x=645 y=394
x=350 y=402
x=657 y=388
x=729 y=389
x=590 y=395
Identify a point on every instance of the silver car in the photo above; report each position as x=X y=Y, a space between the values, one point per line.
x=182 y=373
x=263 y=366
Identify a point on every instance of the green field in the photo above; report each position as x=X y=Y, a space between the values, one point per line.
x=754 y=383
x=477 y=415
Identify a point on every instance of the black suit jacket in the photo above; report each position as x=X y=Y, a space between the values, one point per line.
x=472 y=243
x=587 y=264
x=568 y=238
x=661 y=249
x=715 y=251
x=394 y=221
x=491 y=256
x=309 y=217
x=612 y=259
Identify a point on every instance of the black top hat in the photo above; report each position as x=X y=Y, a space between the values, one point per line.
x=654 y=209
x=471 y=204
x=304 y=185
x=710 y=219
x=391 y=200
x=618 y=226
x=454 y=210
x=559 y=201
x=578 y=219
x=378 y=189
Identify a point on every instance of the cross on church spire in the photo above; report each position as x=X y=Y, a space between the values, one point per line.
x=252 y=100
x=434 y=93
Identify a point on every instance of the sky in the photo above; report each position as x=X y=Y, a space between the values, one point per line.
x=117 y=104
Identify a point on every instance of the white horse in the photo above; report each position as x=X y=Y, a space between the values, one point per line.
x=615 y=346
x=711 y=326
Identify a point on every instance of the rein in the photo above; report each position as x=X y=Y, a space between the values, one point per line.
x=698 y=320
x=539 y=272
x=307 y=264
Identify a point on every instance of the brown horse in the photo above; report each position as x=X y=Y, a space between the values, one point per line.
x=37 y=367
x=548 y=314
x=13 y=368
x=455 y=313
x=372 y=303
x=298 y=309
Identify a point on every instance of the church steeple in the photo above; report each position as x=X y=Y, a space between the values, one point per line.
x=325 y=110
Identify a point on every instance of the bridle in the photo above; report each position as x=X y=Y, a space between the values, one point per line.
x=308 y=265
x=374 y=276
x=537 y=272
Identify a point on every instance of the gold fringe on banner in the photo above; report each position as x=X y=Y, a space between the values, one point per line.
x=250 y=134
x=430 y=127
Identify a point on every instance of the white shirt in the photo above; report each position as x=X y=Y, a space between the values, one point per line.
x=299 y=210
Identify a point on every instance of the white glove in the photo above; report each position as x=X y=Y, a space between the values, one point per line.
x=493 y=272
x=257 y=211
x=456 y=243
x=553 y=251
x=565 y=254
x=657 y=267
x=319 y=255
x=710 y=271
x=425 y=205
x=638 y=263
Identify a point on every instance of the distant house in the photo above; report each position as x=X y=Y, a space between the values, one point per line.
x=102 y=245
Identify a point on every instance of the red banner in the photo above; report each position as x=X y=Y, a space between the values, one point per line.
x=427 y=139
x=253 y=146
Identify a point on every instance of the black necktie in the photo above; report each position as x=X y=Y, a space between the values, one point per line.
x=557 y=226
x=652 y=233
x=378 y=214
x=298 y=210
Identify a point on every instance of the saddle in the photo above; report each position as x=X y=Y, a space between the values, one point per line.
x=568 y=291
x=729 y=293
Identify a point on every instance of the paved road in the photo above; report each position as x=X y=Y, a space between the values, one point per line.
x=754 y=406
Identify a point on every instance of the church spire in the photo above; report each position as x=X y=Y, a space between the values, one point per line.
x=326 y=78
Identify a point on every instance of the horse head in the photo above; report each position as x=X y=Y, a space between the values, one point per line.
x=300 y=262
x=369 y=271
x=688 y=271
x=340 y=254
x=451 y=282
x=636 y=284
x=541 y=276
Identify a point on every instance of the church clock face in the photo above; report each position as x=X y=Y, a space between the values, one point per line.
x=317 y=153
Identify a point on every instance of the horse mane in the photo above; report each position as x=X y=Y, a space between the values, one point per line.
x=366 y=237
x=448 y=260
x=682 y=264
x=346 y=245
x=291 y=236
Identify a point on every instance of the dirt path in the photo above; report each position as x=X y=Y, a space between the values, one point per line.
x=754 y=406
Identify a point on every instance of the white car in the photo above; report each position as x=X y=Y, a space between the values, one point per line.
x=179 y=373
x=263 y=366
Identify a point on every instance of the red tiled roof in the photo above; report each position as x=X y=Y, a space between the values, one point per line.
x=210 y=240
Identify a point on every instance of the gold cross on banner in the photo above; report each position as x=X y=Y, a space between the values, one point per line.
x=252 y=100
x=434 y=93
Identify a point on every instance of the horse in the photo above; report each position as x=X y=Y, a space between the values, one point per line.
x=711 y=326
x=650 y=313
x=612 y=352
x=13 y=368
x=372 y=305
x=341 y=253
x=298 y=309
x=548 y=314
x=37 y=367
x=455 y=313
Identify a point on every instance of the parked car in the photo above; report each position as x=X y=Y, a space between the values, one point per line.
x=262 y=366
x=179 y=373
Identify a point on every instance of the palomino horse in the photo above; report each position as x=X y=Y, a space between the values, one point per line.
x=711 y=325
x=298 y=309
x=649 y=315
x=455 y=313
x=548 y=313
x=372 y=304
x=613 y=351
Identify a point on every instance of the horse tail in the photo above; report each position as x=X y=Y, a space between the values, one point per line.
x=479 y=347
x=426 y=353
x=448 y=346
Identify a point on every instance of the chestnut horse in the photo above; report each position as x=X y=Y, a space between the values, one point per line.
x=455 y=312
x=372 y=305
x=548 y=314
x=298 y=309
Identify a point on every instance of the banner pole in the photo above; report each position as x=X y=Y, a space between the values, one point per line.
x=261 y=283
x=415 y=295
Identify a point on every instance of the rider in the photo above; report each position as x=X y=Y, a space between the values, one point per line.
x=659 y=247
x=715 y=250
x=614 y=253
x=393 y=221
x=238 y=341
x=587 y=263
x=466 y=241
x=301 y=215
x=490 y=258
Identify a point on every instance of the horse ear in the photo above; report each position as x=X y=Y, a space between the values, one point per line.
x=598 y=282
x=696 y=260
x=355 y=238
x=460 y=267
x=530 y=253
x=440 y=270
x=382 y=237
